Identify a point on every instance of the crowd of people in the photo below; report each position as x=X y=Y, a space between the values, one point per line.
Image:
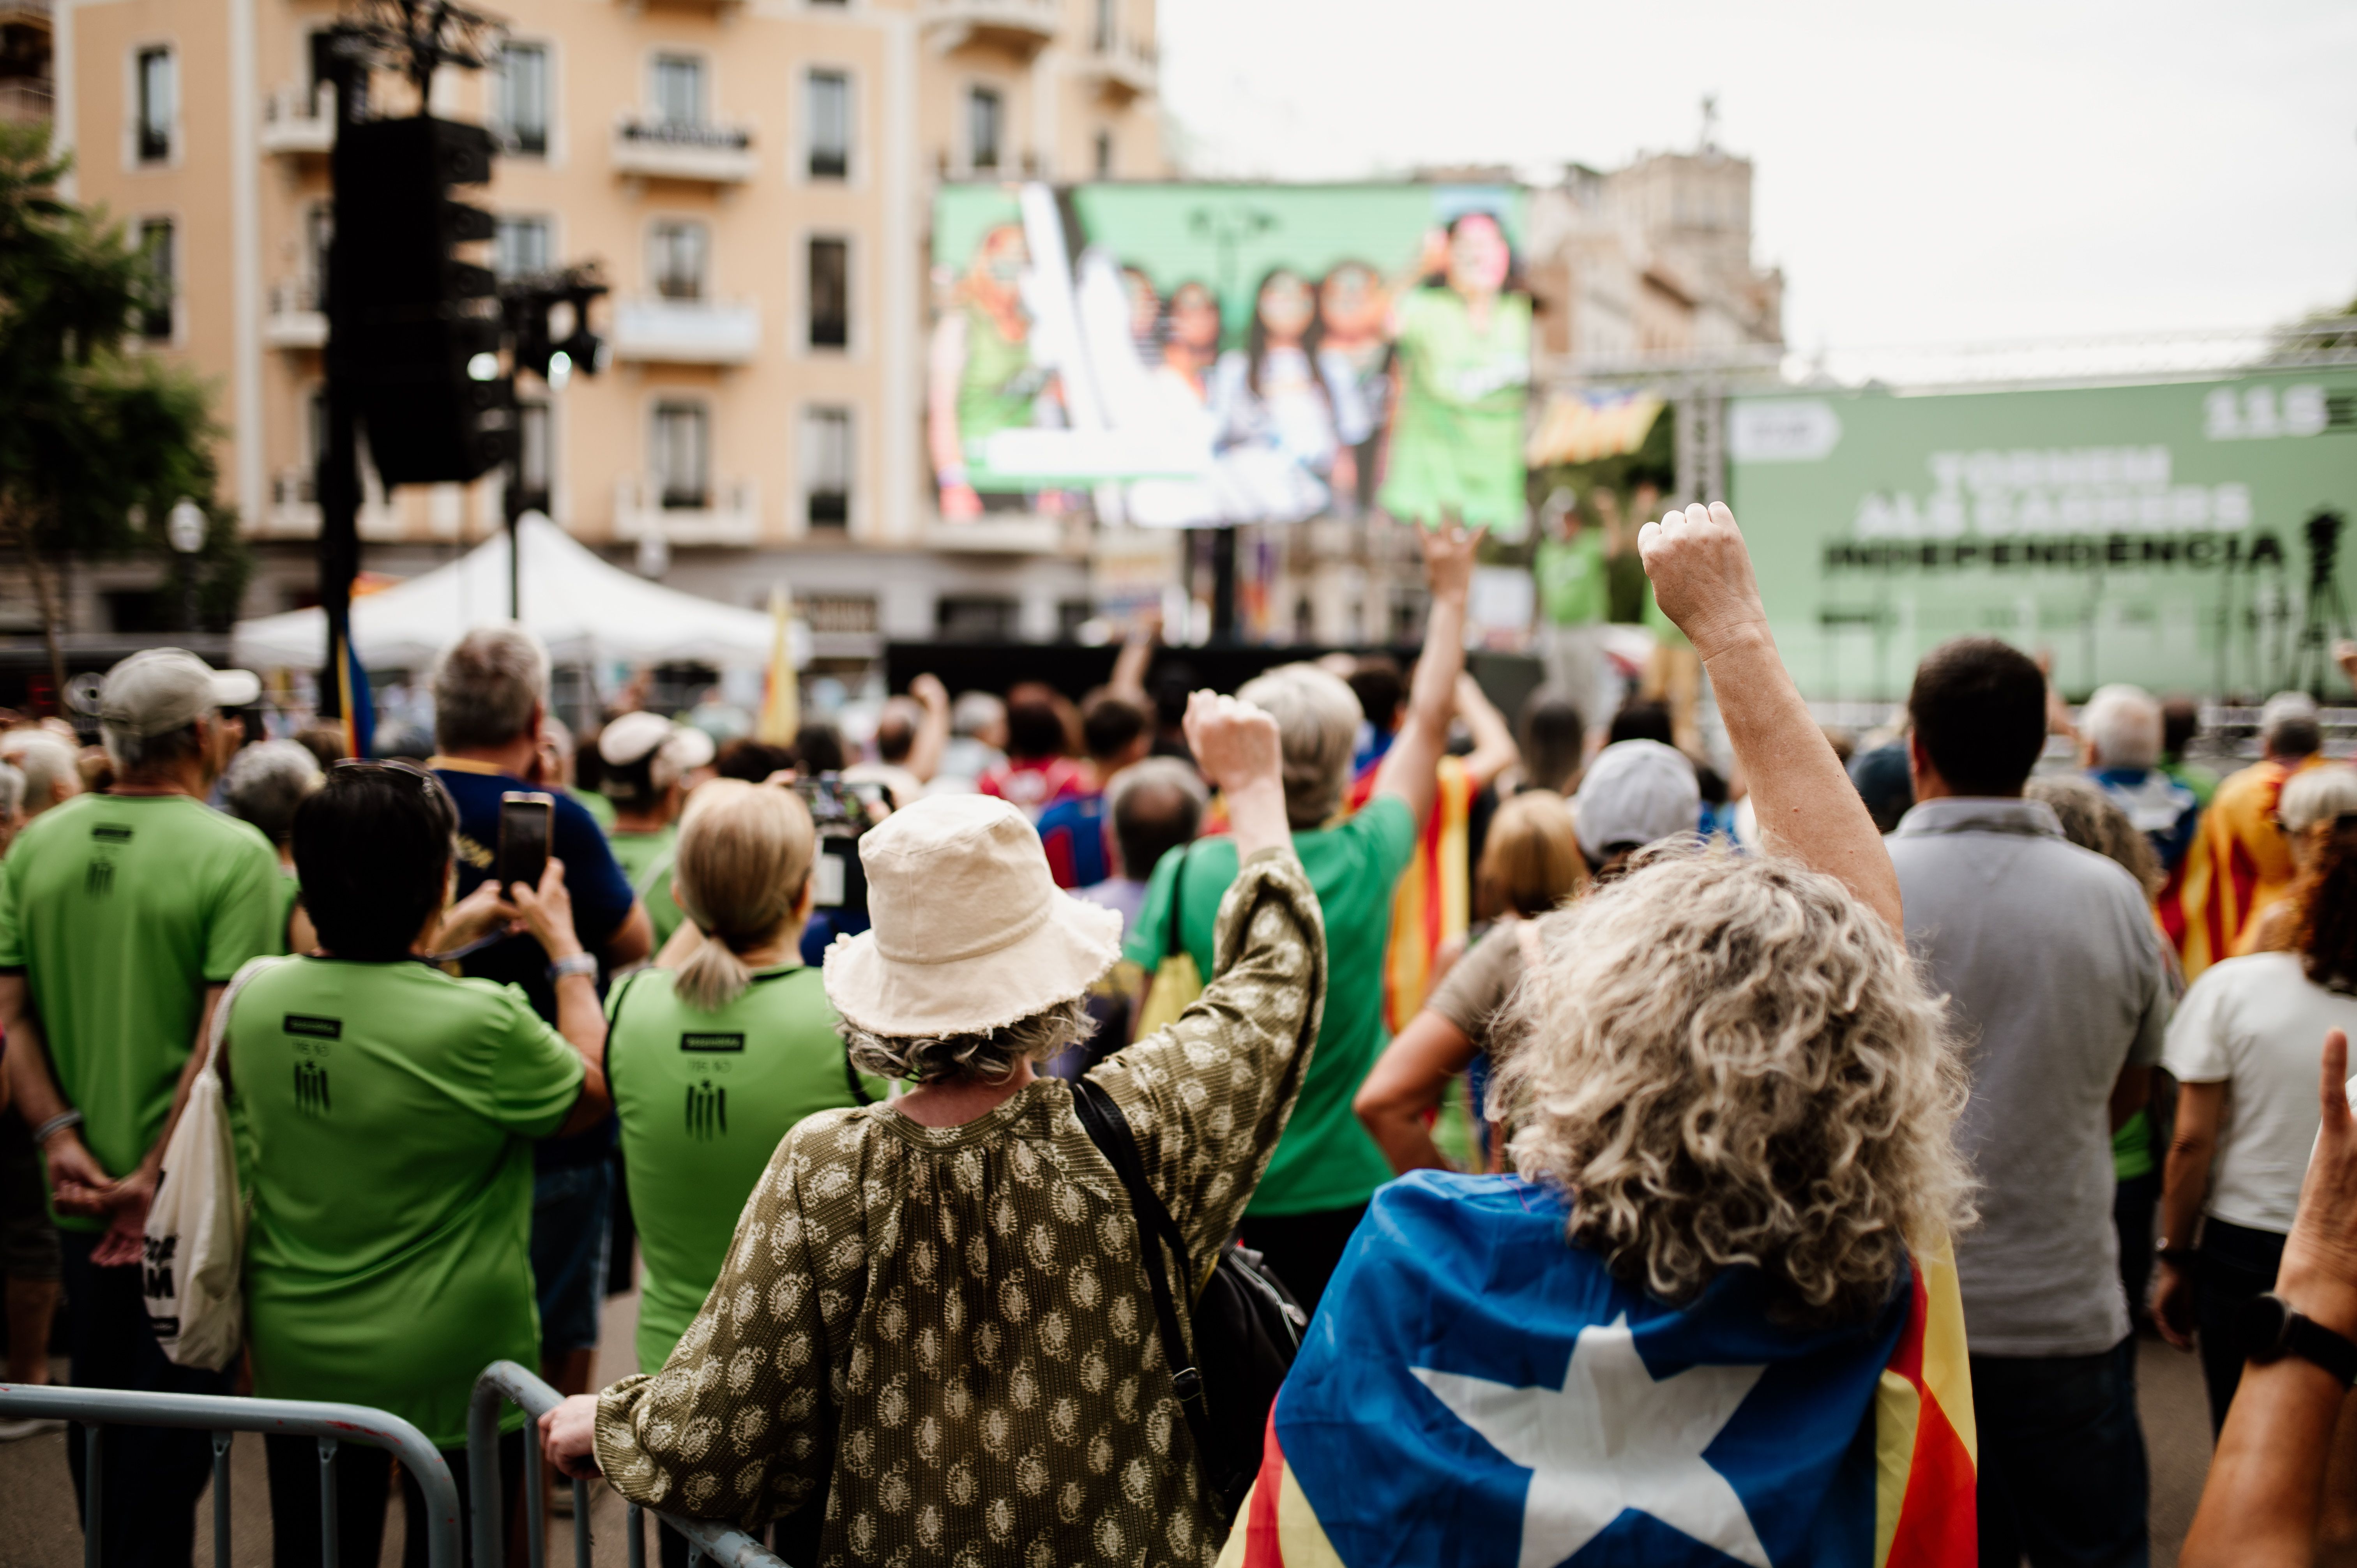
x=1775 y=1147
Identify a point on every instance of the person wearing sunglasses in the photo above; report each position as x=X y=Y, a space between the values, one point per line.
x=387 y=1112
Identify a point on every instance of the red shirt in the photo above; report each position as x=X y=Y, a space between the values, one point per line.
x=1036 y=783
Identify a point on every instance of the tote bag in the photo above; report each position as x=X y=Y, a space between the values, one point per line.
x=195 y=1226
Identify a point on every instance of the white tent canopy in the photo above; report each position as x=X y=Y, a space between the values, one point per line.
x=582 y=608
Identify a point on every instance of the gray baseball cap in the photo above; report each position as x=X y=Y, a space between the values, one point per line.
x=1634 y=792
x=163 y=688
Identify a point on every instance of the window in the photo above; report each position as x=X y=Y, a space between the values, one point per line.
x=1107 y=10
x=975 y=617
x=158 y=248
x=679 y=90
x=1105 y=155
x=827 y=462
x=683 y=455
x=519 y=247
x=318 y=239
x=984 y=113
x=678 y=259
x=830 y=294
x=532 y=465
x=159 y=92
x=519 y=98
x=830 y=124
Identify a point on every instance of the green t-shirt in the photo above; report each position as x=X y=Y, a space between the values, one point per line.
x=705 y=1099
x=646 y=859
x=1575 y=587
x=385 y=1114
x=290 y=893
x=1457 y=442
x=120 y=910
x=2132 y=1148
x=1325 y=1159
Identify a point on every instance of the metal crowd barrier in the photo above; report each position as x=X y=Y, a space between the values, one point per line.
x=503 y=1381
x=226 y=1416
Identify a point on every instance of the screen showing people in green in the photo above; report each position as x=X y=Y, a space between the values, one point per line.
x=2181 y=535
x=1199 y=355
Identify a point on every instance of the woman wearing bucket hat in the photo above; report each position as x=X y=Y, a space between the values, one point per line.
x=934 y=1330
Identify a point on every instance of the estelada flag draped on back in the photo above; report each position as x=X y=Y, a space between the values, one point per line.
x=1476 y=1393
x=1433 y=900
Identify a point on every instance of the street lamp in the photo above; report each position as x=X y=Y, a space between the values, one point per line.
x=184 y=530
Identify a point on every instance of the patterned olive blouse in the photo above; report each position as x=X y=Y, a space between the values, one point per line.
x=949 y=1330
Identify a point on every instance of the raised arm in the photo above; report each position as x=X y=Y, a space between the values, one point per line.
x=1408 y=768
x=1494 y=748
x=932 y=730
x=1808 y=811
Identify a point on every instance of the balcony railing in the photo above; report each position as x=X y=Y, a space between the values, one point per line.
x=26 y=101
x=297 y=121
x=296 y=319
x=730 y=513
x=688 y=150
x=654 y=331
x=1023 y=27
x=1123 y=69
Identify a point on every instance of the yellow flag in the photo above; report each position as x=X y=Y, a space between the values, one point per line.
x=781 y=705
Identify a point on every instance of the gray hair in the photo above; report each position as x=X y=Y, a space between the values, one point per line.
x=46 y=762
x=485 y=687
x=988 y=1056
x=140 y=754
x=2123 y=723
x=2092 y=820
x=12 y=791
x=1166 y=771
x=975 y=712
x=267 y=781
x=2317 y=795
x=1318 y=717
x=1733 y=1062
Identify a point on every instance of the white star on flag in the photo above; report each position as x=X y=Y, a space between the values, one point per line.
x=1611 y=1438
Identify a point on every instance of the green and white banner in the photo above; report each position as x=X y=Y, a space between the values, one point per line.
x=2180 y=535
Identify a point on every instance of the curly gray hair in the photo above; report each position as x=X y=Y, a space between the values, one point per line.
x=990 y=1056
x=1732 y=1061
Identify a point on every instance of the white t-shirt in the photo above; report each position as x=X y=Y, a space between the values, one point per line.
x=2257 y=1025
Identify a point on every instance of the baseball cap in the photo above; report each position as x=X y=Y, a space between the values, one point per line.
x=631 y=736
x=1634 y=792
x=159 y=690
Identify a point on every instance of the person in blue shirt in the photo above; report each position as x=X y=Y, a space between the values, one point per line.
x=2122 y=731
x=1113 y=731
x=490 y=693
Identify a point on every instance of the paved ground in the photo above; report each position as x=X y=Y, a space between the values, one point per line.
x=40 y=1531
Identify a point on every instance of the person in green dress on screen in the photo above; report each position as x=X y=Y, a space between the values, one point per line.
x=1463 y=341
x=385 y=1113
x=714 y=1063
x=981 y=377
x=648 y=760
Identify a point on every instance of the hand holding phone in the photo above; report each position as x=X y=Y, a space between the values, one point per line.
x=525 y=820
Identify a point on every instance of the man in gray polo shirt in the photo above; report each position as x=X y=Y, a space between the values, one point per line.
x=2052 y=967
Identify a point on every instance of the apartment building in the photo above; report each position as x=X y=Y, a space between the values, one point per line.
x=754 y=177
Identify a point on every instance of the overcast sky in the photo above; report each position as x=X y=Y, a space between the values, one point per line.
x=1925 y=174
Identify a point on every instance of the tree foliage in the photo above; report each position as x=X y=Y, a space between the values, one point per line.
x=98 y=439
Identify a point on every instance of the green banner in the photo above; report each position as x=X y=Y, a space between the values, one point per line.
x=2183 y=536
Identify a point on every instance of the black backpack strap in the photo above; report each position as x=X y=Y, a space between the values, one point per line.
x=859 y=1095
x=1109 y=1130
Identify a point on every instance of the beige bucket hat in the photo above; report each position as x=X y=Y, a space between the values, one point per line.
x=971 y=933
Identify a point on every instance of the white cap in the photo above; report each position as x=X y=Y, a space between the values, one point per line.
x=632 y=735
x=160 y=690
x=2286 y=707
x=1635 y=792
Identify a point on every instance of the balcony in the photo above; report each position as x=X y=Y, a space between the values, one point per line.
x=27 y=101
x=729 y=515
x=1023 y=28
x=293 y=509
x=1124 y=71
x=299 y=123
x=654 y=331
x=671 y=149
x=296 y=320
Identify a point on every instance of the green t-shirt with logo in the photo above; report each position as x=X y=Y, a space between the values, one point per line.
x=120 y=910
x=385 y=1114
x=646 y=859
x=705 y=1099
x=1326 y=1160
x=1573 y=582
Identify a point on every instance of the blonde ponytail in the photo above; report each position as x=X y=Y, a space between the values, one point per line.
x=744 y=856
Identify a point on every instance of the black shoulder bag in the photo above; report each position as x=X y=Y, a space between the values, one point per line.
x=1247 y=1325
